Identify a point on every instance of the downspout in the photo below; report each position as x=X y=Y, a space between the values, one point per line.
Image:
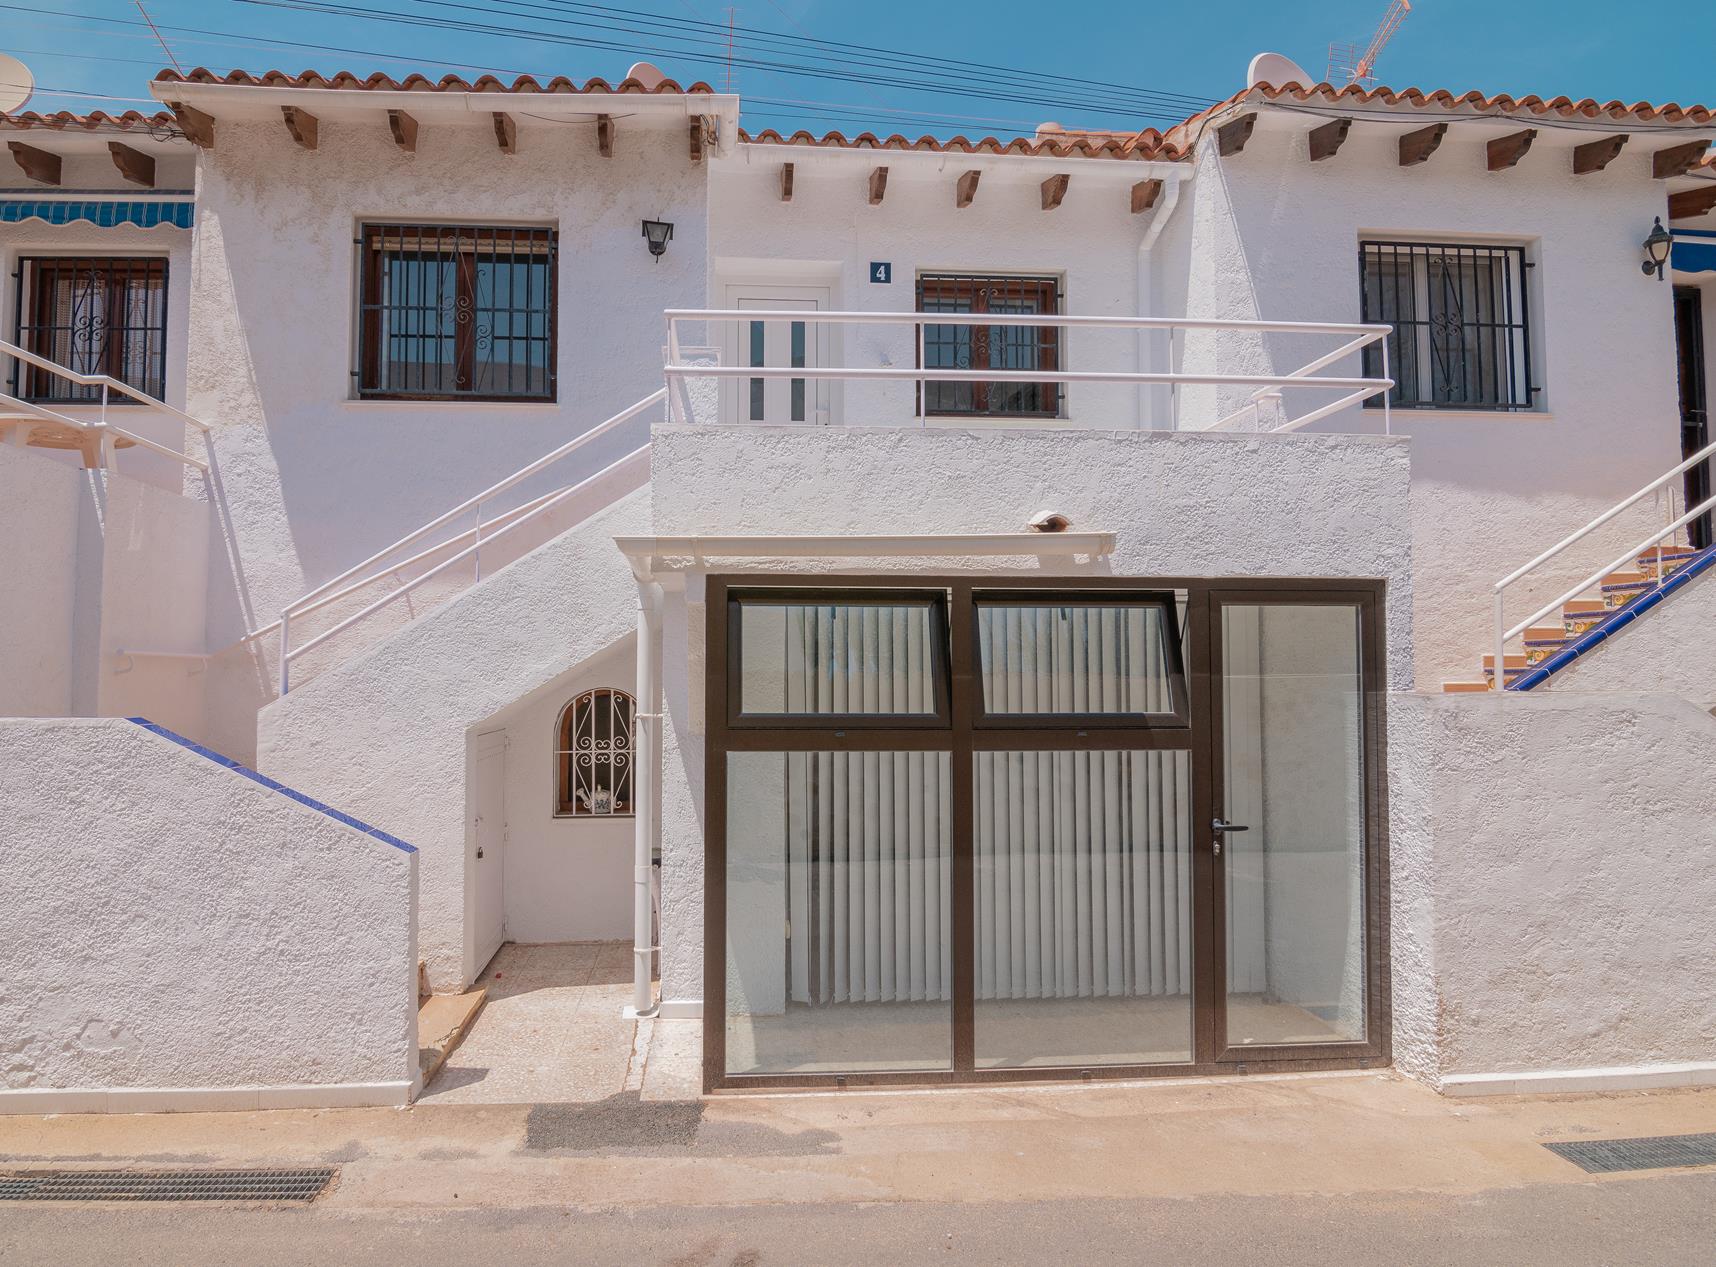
x=646 y=782
x=1158 y=222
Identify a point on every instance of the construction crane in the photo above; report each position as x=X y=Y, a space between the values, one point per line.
x=1348 y=65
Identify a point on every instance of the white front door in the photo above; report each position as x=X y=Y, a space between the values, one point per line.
x=783 y=344
x=490 y=833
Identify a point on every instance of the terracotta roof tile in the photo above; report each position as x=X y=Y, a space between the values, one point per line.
x=378 y=82
x=96 y=122
x=1147 y=144
x=1474 y=102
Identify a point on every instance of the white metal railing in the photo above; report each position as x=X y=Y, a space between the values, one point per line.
x=1504 y=634
x=383 y=563
x=103 y=432
x=1354 y=390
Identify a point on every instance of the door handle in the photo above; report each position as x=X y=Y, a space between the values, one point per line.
x=1220 y=827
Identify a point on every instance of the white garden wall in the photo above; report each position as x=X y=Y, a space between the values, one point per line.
x=40 y=504
x=1552 y=891
x=1669 y=649
x=182 y=934
x=1328 y=506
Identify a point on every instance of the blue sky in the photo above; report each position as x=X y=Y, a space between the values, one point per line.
x=1077 y=61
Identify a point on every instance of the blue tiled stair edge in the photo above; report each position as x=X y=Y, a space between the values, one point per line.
x=1591 y=639
x=271 y=785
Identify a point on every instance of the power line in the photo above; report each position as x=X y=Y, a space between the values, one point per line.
x=1007 y=93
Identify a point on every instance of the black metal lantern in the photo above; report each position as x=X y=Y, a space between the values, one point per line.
x=1656 y=249
x=658 y=232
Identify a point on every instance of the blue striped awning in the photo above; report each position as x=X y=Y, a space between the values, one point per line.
x=1693 y=251
x=104 y=214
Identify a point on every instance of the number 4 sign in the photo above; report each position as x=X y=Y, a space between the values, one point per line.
x=883 y=273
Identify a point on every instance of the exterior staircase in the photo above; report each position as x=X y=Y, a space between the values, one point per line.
x=1587 y=623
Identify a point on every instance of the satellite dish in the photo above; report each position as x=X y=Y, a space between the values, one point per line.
x=646 y=73
x=16 y=84
x=1276 y=71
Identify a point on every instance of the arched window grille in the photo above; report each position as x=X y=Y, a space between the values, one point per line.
x=594 y=753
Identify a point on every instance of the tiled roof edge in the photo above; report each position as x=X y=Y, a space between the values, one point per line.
x=1144 y=145
x=346 y=81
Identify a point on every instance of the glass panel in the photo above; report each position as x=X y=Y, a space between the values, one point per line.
x=1083 y=866
x=1292 y=700
x=798 y=363
x=757 y=358
x=852 y=658
x=1108 y=658
x=838 y=875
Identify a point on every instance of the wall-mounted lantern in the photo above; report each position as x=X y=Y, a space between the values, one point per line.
x=658 y=232
x=1656 y=250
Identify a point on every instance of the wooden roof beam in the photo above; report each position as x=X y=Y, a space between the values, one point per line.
x=506 y=132
x=1503 y=152
x=1416 y=147
x=966 y=188
x=697 y=140
x=1054 y=190
x=134 y=165
x=198 y=127
x=786 y=182
x=302 y=125
x=404 y=129
x=1677 y=160
x=1144 y=195
x=605 y=135
x=878 y=185
x=1692 y=202
x=1327 y=140
x=1594 y=156
x=36 y=164
x=1231 y=137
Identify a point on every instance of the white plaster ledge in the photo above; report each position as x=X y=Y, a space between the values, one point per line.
x=1570 y=1081
x=680 y=1010
x=343 y=1095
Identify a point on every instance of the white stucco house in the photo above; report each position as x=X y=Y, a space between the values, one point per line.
x=966 y=611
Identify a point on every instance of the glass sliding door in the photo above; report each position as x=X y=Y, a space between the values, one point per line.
x=1291 y=823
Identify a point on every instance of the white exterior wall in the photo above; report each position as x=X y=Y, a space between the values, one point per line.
x=179 y=935
x=1269 y=234
x=828 y=235
x=390 y=734
x=40 y=505
x=1329 y=506
x=1552 y=891
x=316 y=481
x=567 y=879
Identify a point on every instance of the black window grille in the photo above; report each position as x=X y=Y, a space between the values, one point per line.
x=456 y=312
x=1461 y=318
x=98 y=315
x=1003 y=347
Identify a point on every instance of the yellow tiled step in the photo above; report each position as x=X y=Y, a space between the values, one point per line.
x=1513 y=660
x=1463 y=688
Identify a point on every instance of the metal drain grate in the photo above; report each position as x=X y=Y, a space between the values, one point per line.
x=1654 y=1152
x=165 y=1185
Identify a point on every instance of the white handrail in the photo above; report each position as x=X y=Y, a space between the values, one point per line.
x=485 y=533
x=1503 y=634
x=101 y=429
x=1354 y=390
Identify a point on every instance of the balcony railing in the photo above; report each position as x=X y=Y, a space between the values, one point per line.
x=1349 y=339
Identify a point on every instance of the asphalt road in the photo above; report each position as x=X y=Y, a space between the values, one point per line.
x=1667 y=1218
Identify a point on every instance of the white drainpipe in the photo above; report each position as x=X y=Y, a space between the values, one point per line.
x=646 y=766
x=1158 y=222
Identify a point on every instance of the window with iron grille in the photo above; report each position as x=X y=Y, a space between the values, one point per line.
x=594 y=754
x=997 y=347
x=1461 y=318
x=98 y=315
x=456 y=312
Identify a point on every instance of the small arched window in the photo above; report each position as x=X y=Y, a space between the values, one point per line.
x=594 y=755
